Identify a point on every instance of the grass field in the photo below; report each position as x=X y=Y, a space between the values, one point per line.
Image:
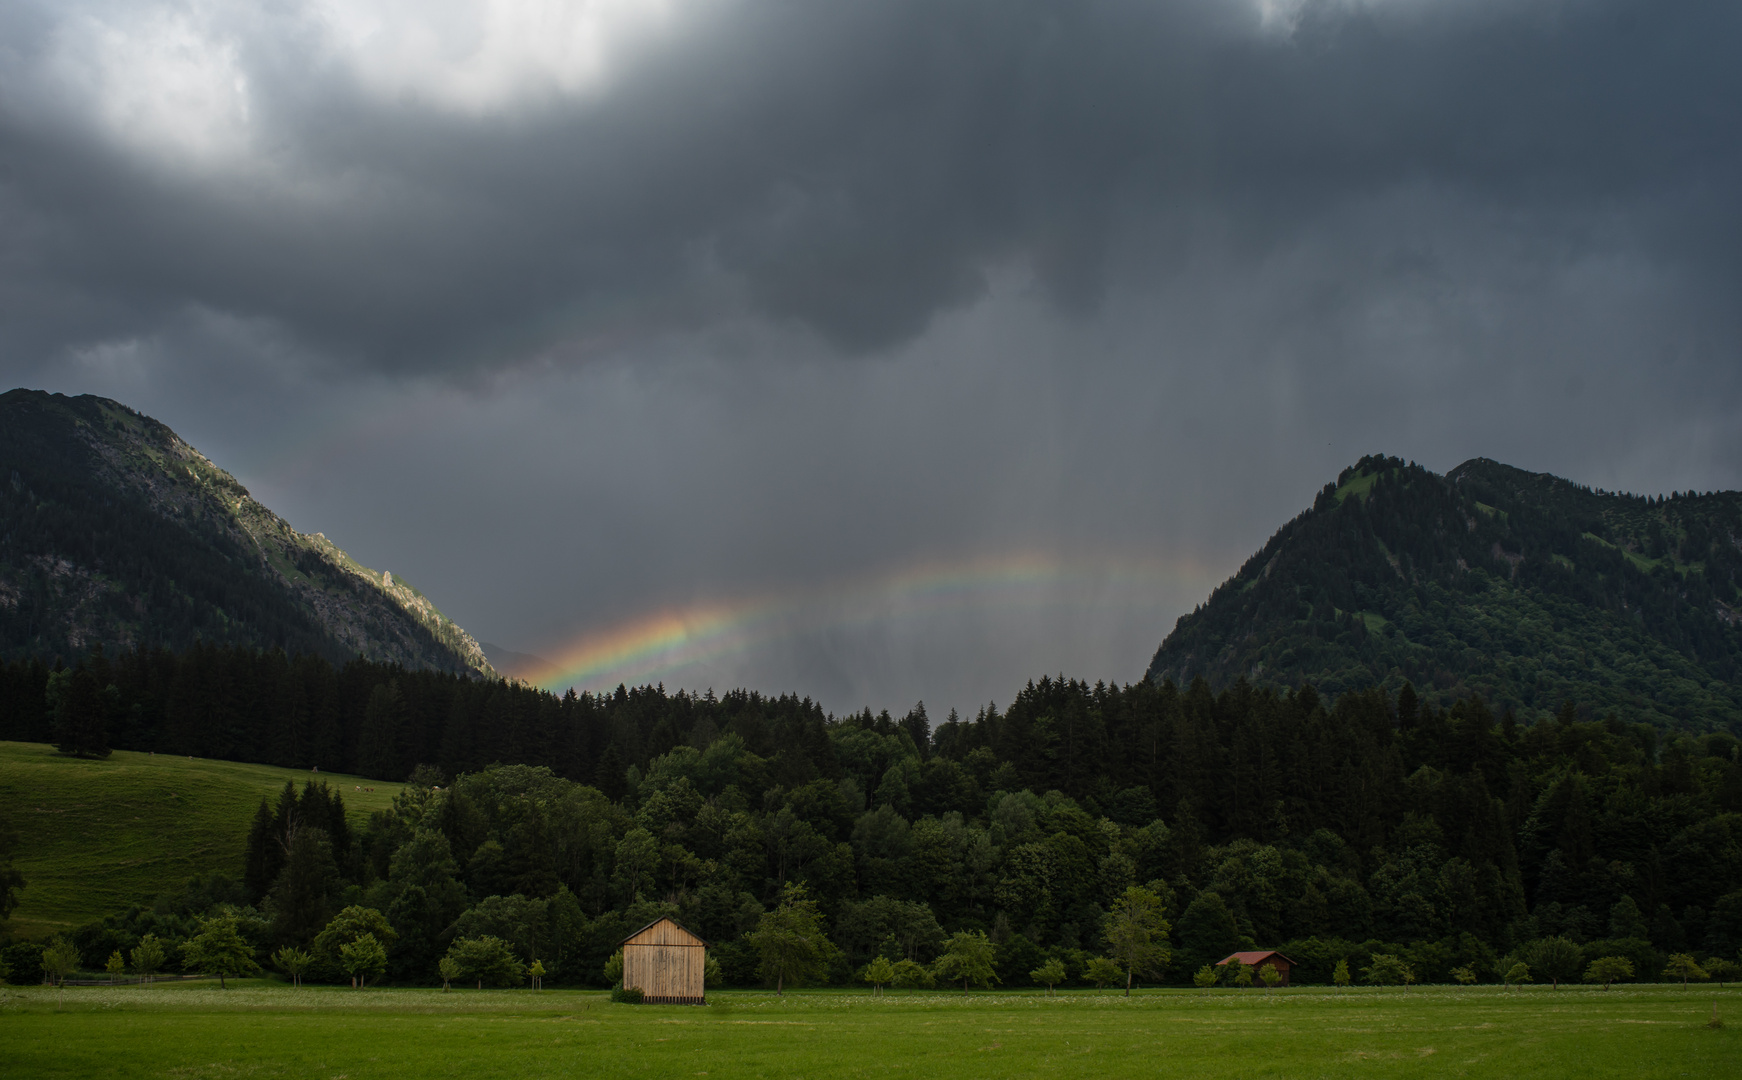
x=261 y=1029
x=96 y=836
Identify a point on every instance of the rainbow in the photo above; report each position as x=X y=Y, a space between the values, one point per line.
x=646 y=648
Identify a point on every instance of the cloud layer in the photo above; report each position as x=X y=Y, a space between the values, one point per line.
x=714 y=298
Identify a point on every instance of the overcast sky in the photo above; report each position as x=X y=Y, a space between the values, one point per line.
x=895 y=350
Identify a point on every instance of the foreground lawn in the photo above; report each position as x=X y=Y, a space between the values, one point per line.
x=260 y=1029
x=96 y=836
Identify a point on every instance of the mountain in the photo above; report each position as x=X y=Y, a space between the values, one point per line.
x=114 y=531
x=1523 y=587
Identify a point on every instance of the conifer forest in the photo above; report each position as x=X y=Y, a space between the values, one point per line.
x=1370 y=825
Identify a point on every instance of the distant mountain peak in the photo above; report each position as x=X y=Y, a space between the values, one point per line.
x=1525 y=587
x=121 y=533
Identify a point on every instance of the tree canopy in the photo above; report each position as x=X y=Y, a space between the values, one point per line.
x=790 y=941
x=968 y=959
x=220 y=948
x=1137 y=934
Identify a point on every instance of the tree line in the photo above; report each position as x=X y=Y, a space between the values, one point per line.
x=1340 y=831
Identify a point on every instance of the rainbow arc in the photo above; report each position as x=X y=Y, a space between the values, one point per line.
x=647 y=648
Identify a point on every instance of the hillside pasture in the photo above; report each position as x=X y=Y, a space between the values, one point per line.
x=266 y=1029
x=98 y=835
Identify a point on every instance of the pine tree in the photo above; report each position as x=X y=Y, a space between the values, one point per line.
x=80 y=709
x=260 y=867
x=304 y=894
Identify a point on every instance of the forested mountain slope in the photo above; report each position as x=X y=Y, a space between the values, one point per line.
x=115 y=531
x=1522 y=587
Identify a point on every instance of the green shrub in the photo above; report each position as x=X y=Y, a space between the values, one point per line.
x=627 y=995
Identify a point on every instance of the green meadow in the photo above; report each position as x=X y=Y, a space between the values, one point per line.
x=266 y=1029
x=96 y=836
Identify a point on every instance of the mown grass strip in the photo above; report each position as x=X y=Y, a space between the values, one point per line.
x=267 y=1029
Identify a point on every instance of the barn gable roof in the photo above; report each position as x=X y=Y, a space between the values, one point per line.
x=1254 y=959
x=683 y=931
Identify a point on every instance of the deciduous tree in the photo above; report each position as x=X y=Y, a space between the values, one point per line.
x=348 y=926
x=362 y=958
x=1137 y=934
x=879 y=973
x=59 y=960
x=1049 y=974
x=912 y=975
x=790 y=941
x=1682 y=966
x=293 y=962
x=1387 y=969
x=147 y=957
x=1102 y=971
x=1555 y=958
x=968 y=958
x=1607 y=969
x=220 y=947
x=487 y=959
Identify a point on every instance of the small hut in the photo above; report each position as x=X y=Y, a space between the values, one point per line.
x=665 y=961
x=1256 y=960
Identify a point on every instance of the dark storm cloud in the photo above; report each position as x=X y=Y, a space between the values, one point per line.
x=855 y=168
x=1119 y=284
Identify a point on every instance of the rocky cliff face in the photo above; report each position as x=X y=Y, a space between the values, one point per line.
x=114 y=531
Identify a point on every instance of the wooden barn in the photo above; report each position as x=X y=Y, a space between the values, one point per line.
x=1256 y=960
x=664 y=961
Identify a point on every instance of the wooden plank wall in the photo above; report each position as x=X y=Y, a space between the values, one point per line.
x=665 y=973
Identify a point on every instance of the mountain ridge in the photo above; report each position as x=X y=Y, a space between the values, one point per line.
x=1526 y=588
x=120 y=533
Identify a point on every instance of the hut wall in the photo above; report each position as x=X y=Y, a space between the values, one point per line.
x=665 y=962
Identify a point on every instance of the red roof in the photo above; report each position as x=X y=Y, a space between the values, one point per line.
x=1254 y=959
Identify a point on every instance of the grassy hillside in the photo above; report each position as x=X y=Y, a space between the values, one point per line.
x=99 y=835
